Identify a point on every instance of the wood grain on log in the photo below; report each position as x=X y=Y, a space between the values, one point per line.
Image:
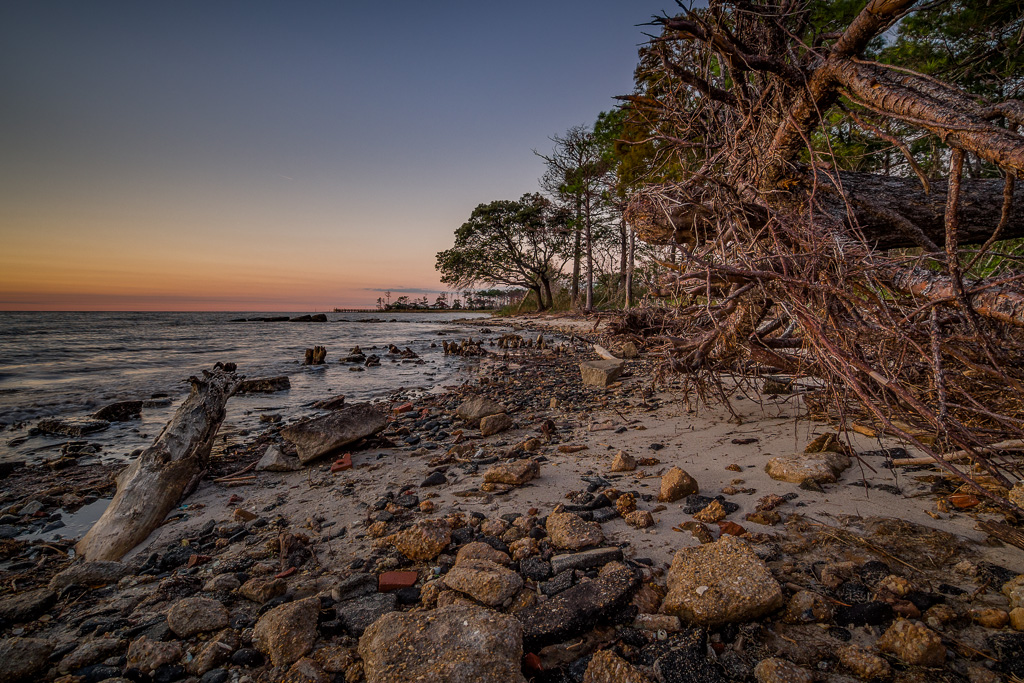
x=165 y=472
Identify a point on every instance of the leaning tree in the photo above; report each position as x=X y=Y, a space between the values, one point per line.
x=868 y=279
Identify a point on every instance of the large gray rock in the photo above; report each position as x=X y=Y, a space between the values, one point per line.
x=356 y=615
x=600 y=373
x=190 y=616
x=22 y=658
x=320 y=436
x=264 y=385
x=451 y=644
x=122 y=411
x=720 y=583
x=75 y=427
x=475 y=409
x=89 y=574
x=797 y=468
x=274 y=460
x=578 y=609
x=22 y=607
x=286 y=633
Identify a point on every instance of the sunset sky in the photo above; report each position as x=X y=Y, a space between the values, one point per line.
x=259 y=156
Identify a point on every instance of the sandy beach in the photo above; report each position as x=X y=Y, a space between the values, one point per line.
x=323 y=526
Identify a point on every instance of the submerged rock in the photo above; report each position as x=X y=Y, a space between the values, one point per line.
x=320 y=436
x=264 y=385
x=122 y=411
x=451 y=644
x=72 y=426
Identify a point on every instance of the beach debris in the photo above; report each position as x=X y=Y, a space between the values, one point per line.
x=676 y=484
x=157 y=480
x=315 y=356
x=276 y=460
x=600 y=373
x=466 y=643
x=319 y=436
x=720 y=583
x=264 y=385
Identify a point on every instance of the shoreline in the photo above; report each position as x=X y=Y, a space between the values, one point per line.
x=346 y=521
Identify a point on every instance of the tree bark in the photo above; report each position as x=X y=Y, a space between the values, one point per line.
x=999 y=303
x=164 y=473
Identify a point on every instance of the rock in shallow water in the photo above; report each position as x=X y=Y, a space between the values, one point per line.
x=450 y=644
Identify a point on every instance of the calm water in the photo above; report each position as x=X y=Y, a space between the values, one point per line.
x=68 y=364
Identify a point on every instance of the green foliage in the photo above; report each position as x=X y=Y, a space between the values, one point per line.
x=515 y=243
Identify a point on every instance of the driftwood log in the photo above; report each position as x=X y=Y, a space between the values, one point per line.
x=164 y=473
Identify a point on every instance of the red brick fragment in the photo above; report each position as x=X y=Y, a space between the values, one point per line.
x=390 y=581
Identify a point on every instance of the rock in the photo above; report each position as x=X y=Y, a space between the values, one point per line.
x=287 y=633
x=335 y=658
x=213 y=653
x=356 y=615
x=274 y=460
x=629 y=350
x=23 y=607
x=720 y=583
x=225 y=582
x=306 y=671
x=434 y=479
x=600 y=373
x=990 y=618
x=677 y=484
x=148 y=655
x=475 y=409
x=775 y=670
x=355 y=586
x=515 y=473
x=335 y=402
x=578 y=609
x=22 y=658
x=640 y=519
x=89 y=653
x=568 y=531
x=1017 y=618
x=607 y=667
x=484 y=581
x=713 y=512
x=863 y=663
x=493 y=424
x=75 y=427
x=684 y=659
x=1014 y=591
x=535 y=568
x=808 y=607
x=914 y=643
x=481 y=551
x=424 y=540
x=452 y=644
x=264 y=385
x=1016 y=494
x=122 y=411
x=587 y=559
x=190 y=616
x=89 y=574
x=798 y=468
x=624 y=462
x=260 y=589
x=657 y=622
x=324 y=435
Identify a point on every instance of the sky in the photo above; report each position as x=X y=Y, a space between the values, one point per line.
x=273 y=156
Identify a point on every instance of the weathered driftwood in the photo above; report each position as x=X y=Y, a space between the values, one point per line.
x=165 y=472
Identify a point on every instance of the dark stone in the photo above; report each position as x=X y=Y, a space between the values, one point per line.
x=995 y=574
x=435 y=479
x=495 y=543
x=604 y=514
x=853 y=593
x=923 y=601
x=462 y=535
x=577 y=609
x=122 y=411
x=687 y=661
x=247 y=656
x=357 y=615
x=408 y=596
x=558 y=583
x=1009 y=652
x=535 y=568
x=264 y=385
x=215 y=676
x=175 y=557
x=26 y=606
x=868 y=613
x=840 y=633
x=950 y=589
x=168 y=673
x=72 y=426
x=873 y=571
x=98 y=672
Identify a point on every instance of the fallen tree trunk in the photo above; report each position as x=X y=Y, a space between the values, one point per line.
x=999 y=303
x=165 y=472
